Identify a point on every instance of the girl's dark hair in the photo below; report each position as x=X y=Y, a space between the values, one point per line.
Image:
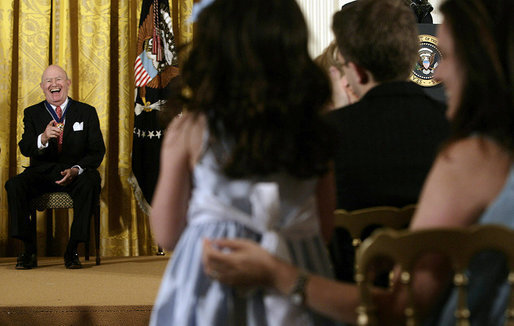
x=483 y=36
x=250 y=73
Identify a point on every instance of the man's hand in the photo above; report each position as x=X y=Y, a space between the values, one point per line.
x=68 y=176
x=51 y=131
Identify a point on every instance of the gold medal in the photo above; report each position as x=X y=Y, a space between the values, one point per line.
x=60 y=126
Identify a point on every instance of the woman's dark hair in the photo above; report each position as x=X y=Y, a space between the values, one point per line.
x=250 y=73
x=483 y=36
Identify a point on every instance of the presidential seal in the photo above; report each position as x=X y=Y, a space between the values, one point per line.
x=428 y=60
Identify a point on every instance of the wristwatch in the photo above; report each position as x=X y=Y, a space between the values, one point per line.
x=297 y=294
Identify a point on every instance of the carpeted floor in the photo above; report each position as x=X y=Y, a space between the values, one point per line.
x=120 y=291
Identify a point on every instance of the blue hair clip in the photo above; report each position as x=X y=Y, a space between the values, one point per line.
x=198 y=8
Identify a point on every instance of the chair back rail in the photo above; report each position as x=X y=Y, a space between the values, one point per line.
x=356 y=221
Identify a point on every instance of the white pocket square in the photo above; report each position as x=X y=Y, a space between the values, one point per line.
x=78 y=126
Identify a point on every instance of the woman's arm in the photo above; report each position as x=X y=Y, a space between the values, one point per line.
x=179 y=151
x=469 y=175
x=326 y=199
x=464 y=180
x=248 y=265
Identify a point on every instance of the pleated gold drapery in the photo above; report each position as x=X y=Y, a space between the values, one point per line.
x=95 y=42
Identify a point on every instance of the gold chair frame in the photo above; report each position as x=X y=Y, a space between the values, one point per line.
x=459 y=245
x=356 y=221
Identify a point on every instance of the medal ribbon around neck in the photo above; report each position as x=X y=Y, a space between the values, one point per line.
x=54 y=115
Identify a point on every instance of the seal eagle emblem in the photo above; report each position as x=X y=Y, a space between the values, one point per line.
x=429 y=57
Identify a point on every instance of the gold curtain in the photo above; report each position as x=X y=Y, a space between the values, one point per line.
x=95 y=42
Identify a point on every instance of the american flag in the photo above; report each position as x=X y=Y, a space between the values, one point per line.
x=156 y=64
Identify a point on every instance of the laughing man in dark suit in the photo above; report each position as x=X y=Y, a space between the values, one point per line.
x=63 y=139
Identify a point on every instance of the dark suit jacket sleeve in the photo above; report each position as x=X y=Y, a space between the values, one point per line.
x=28 y=142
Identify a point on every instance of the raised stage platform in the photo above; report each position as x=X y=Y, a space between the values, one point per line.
x=120 y=291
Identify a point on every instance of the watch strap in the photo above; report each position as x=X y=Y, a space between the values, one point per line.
x=298 y=293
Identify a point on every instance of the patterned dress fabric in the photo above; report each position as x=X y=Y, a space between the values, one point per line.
x=279 y=212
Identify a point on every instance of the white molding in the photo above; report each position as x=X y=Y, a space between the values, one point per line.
x=318 y=14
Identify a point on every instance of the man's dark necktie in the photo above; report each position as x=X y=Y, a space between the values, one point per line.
x=58 y=111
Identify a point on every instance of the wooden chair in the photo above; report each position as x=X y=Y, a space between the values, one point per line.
x=357 y=221
x=404 y=248
x=351 y=227
x=55 y=200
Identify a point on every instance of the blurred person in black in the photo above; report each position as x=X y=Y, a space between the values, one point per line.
x=387 y=140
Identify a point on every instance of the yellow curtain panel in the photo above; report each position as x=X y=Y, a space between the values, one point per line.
x=95 y=42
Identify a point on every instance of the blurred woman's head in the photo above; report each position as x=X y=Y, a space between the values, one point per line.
x=328 y=58
x=342 y=92
x=477 y=44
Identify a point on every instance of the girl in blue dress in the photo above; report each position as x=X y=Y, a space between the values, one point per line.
x=249 y=158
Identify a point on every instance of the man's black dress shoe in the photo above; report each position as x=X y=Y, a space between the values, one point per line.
x=71 y=260
x=26 y=261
